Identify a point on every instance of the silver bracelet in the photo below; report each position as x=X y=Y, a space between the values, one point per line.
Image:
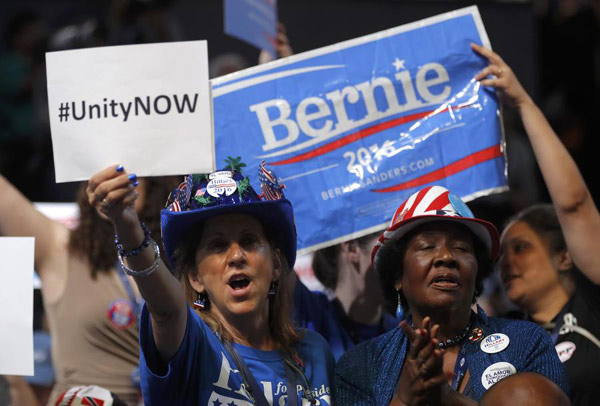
x=147 y=271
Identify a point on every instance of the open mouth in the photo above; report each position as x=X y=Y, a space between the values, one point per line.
x=239 y=283
x=446 y=281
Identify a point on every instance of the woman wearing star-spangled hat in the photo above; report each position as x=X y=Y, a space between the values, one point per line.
x=233 y=251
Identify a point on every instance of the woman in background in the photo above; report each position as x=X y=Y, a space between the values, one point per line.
x=550 y=262
x=91 y=306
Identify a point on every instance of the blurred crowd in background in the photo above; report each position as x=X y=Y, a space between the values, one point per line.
x=552 y=46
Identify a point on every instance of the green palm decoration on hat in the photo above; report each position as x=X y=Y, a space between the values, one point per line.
x=199 y=177
x=203 y=200
x=234 y=164
x=243 y=186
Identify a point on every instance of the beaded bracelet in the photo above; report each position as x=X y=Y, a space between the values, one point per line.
x=147 y=271
x=136 y=251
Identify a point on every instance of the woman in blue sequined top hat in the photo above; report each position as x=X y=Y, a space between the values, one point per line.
x=433 y=258
x=231 y=250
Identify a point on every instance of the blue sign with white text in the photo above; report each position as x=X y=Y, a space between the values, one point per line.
x=354 y=128
x=254 y=21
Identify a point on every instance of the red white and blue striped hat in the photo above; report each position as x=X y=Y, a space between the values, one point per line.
x=436 y=203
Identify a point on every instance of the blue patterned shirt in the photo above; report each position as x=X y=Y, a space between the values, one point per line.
x=368 y=373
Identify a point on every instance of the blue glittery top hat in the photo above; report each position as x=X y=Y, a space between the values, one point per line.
x=201 y=197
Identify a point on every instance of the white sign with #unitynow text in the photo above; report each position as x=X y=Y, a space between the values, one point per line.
x=16 y=302
x=146 y=107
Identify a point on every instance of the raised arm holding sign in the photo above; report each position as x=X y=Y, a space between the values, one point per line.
x=233 y=251
x=550 y=263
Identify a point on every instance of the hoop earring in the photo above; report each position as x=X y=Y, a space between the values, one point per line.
x=273 y=288
x=201 y=302
x=399 y=308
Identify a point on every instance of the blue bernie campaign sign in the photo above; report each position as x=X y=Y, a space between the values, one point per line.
x=354 y=128
x=253 y=21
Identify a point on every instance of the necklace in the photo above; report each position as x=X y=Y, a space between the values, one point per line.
x=457 y=339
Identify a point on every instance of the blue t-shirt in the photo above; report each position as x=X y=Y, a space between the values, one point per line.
x=203 y=373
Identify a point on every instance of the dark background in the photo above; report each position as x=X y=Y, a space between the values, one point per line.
x=551 y=45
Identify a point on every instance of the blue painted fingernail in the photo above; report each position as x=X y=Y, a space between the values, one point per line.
x=135 y=183
x=132 y=177
x=119 y=168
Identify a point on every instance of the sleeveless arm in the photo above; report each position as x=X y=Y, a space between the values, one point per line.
x=19 y=218
x=576 y=210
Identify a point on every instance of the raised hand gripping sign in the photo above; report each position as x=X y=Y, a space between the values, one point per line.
x=354 y=128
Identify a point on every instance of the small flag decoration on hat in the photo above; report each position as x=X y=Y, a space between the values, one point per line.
x=224 y=192
x=227 y=186
x=270 y=185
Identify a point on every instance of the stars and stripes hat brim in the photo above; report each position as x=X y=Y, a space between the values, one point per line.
x=436 y=203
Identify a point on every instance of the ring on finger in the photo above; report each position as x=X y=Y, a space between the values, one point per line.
x=105 y=203
x=499 y=72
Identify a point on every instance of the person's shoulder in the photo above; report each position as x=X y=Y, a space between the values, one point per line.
x=518 y=329
x=360 y=371
x=587 y=293
x=313 y=343
x=370 y=350
x=196 y=322
x=353 y=366
x=387 y=339
x=311 y=338
x=314 y=348
x=389 y=321
x=315 y=297
x=310 y=305
x=512 y=324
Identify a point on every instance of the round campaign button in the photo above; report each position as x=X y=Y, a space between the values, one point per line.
x=221 y=185
x=565 y=350
x=496 y=372
x=120 y=313
x=494 y=343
